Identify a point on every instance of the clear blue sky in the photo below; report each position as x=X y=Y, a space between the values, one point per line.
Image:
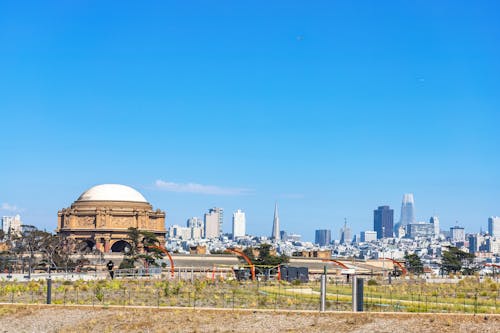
x=330 y=108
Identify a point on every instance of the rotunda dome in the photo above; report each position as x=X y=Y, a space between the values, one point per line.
x=112 y=192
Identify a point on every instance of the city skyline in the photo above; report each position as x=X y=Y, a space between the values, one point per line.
x=330 y=109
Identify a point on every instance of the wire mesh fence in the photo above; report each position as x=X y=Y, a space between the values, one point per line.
x=471 y=297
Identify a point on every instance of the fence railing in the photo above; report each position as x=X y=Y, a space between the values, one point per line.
x=207 y=292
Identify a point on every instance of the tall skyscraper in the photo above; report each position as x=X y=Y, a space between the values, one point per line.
x=494 y=226
x=383 y=221
x=276 y=225
x=407 y=210
x=434 y=220
x=239 y=222
x=213 y=222
x=457 y=234
x=323 y=237
x=345 y=234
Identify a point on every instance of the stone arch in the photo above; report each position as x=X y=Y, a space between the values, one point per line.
x=86 y=245
x=121 y=246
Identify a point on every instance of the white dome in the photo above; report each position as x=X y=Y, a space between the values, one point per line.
x=112 y=192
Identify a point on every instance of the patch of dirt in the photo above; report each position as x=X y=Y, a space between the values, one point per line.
x=24 y=318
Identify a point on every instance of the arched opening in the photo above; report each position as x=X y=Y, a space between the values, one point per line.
x=86 y=246
x=121 y=246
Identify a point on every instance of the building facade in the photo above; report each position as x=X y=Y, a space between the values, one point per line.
x=434 y=220
x=407 y=210
x=457 y=234
x=368 y=236
x=323 y=237
x=213 y=223
x=420 y=230
x=494 y=226
x=239 y=224
x=101 y=216
x=11 y=225
x=383 y=221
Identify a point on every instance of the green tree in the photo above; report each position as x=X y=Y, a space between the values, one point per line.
x=414 y=264
x=142 y=248
x=265 y=257
x=455 y=260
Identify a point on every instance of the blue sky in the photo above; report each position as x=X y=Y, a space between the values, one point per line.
x=330 y=108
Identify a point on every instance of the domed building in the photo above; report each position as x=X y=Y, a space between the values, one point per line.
x=101 y=216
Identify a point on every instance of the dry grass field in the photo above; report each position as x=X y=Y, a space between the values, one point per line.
x=37 y=318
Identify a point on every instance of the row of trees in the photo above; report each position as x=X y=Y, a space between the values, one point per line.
x=41 y=250
x=453 y=261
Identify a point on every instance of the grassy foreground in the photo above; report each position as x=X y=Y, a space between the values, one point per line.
x=467 y=296
x=43 y=318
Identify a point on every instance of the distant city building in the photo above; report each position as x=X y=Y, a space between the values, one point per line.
x=399 y=231
x=194 y=222
x=323 y=237
x=407 y=210
x=383 y=221
x=283 y=235
x=457 y=234
x=179 y=232
x=493 y=245
x=434 y=220
x=477 y=243
x=11 y=224
x=293 y=237
x=368 y=236
x=275 y=235
x=239 y=222
x=196 y=225
x=420 y=230
x=345 y=234
x=494 y=226
x=213 y=223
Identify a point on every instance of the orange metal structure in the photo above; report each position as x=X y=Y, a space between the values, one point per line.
x=397 y=263
x=164 y=250
x=336 y=262
x=244 y=256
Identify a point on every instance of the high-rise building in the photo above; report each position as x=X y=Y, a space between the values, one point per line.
x=213 y=222
x=275 y=235
x=239 y=222
x=323 y=237
x=420 y=230
x=434 y=220
x=494 y=226
x=383 y=221
x=407 y=210
x=457 y=234
x=345 y=234
x=197 y=227
x=11 y=224
x=194 y=222
x=179 y=232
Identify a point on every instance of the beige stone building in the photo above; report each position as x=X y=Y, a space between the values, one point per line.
x=101 y=216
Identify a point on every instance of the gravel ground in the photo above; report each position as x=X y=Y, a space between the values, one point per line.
x=24 y=318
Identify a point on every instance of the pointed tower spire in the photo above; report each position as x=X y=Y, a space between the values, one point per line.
x=276 y=224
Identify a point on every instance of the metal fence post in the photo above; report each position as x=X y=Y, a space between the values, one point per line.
x=323 y=292
x=49 y=290
x=357 y=294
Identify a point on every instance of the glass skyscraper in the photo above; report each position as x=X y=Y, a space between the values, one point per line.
x=323 y=237
x=383 y=221
x=407 y=210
